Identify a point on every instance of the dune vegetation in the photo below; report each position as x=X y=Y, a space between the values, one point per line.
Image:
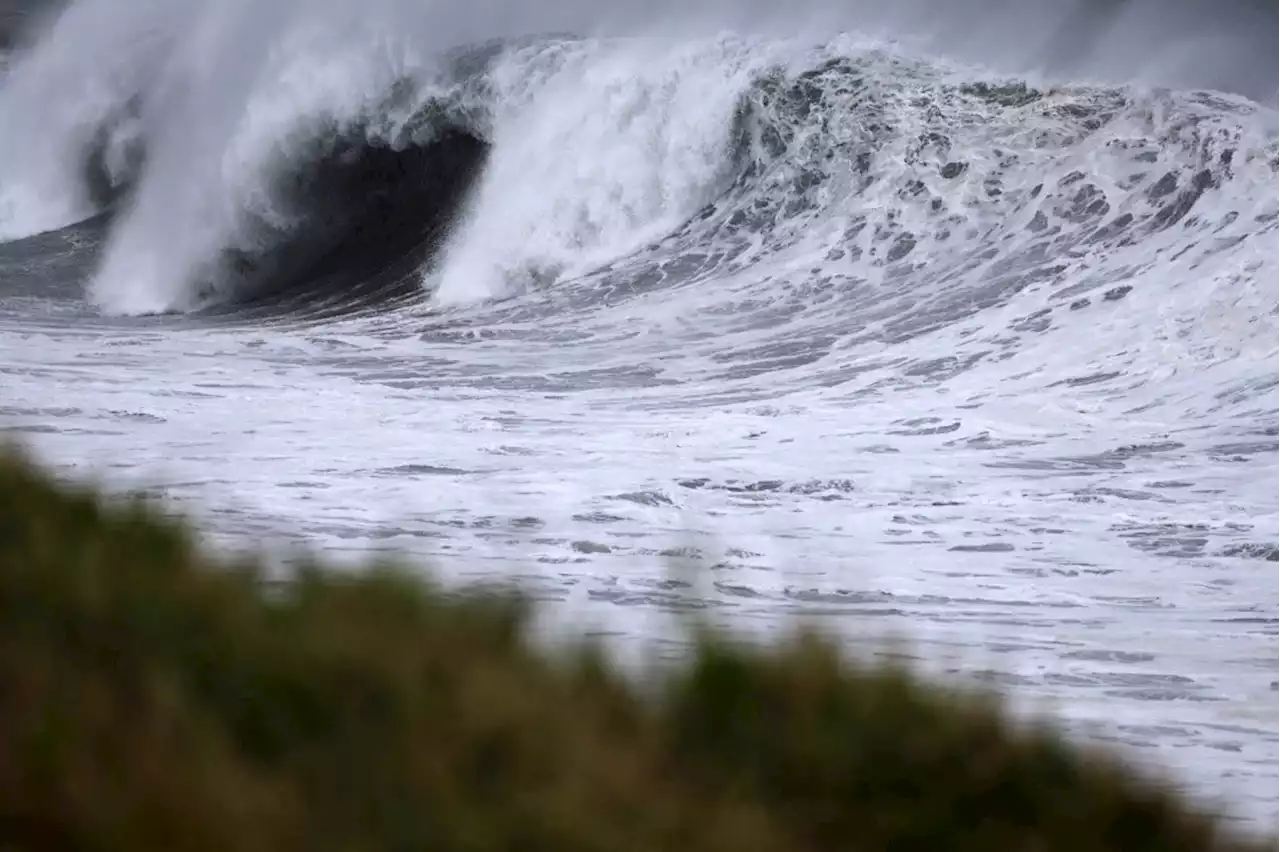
x=155 y=697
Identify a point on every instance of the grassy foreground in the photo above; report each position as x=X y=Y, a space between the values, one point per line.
x=153 y=698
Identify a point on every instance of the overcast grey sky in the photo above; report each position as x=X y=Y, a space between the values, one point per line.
x=1224 y=44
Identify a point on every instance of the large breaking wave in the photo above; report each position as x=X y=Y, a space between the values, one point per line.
x=241 y=152
x=962 y=312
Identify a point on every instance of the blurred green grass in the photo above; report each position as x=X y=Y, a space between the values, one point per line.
x=153 y=697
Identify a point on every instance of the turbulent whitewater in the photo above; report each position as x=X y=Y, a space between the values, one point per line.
x=956 y=322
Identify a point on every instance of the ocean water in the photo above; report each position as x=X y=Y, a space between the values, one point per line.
x=955 y=323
